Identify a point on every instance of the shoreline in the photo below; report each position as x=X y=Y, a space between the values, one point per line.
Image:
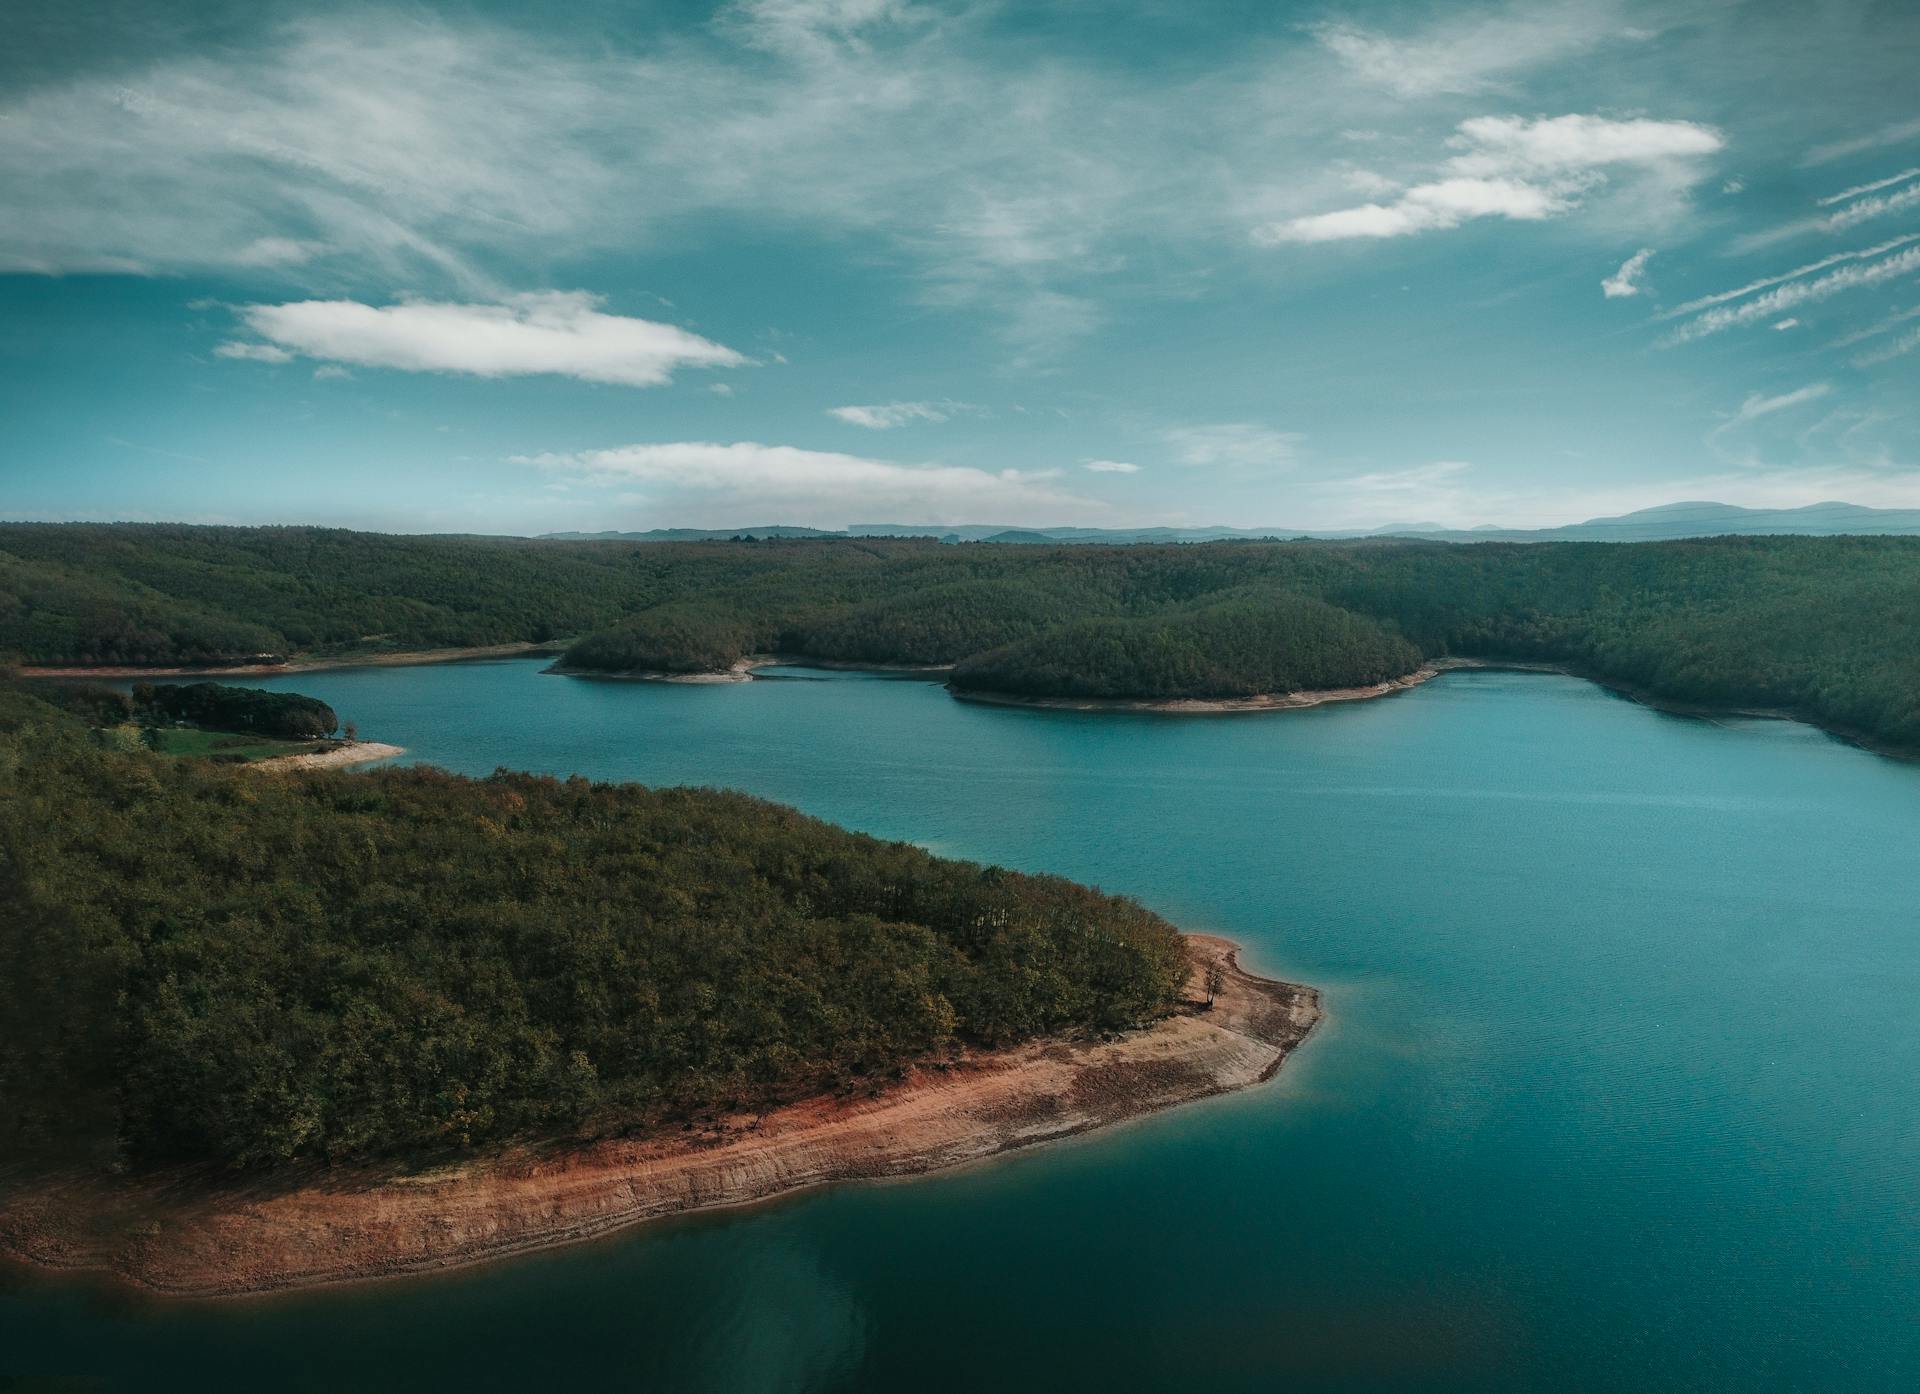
x=1846 y=735
x=1265 y=702
x=401 y=659
x=180 y=1236
x=742 y=669
x=344 y=755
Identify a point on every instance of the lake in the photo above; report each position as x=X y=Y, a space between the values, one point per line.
x=1617 y=1089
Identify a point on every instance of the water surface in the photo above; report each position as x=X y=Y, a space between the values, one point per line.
x=1617 y=1091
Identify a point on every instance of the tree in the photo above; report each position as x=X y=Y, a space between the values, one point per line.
x=1216 y=977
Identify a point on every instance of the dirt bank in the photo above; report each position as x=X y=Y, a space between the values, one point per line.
x=405 y=659
x=184 y=1236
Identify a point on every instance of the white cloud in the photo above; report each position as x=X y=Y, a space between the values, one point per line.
x=1510 y=167
x=1788 y=323
x=717 y=481
x=1758 y=404
x=1739 y=292
x=556 y=332
x=1111 y=467
x=1795 y=293
x=886 y=416
x=1858 y=189
x=258 y=353
x=1626 y=281
x=330 y=372
x=1422 y=208
x=1237 y=444
x=1877 y=206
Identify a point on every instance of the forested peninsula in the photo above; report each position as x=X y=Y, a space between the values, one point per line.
x=240 y=1004
x=1825 y=629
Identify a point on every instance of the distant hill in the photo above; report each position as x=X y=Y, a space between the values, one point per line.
x=689 y=534
x=1672 y=520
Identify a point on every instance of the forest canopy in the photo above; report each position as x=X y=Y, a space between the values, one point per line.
x=203 y=964
x=1826 y=628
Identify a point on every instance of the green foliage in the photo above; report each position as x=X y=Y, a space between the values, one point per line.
x=198 y=963
x=1248 y=646
x=1822 y=627
x=217 y=707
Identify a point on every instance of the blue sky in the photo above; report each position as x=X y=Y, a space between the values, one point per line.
x=454 y=268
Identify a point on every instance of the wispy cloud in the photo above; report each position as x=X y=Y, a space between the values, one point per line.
x=1626 y=281
x=1238 y=444
x=1111 y=467
x=1899 y=348
x=1739 y=292
x=1858 y=189
x=716 y=480
x=1759 y=404
x=1795 y=293
x=886 y=416
x=257 y=353
x=1897 y=133
x=1511 y=167
x=560 y=332
x=1469 y=54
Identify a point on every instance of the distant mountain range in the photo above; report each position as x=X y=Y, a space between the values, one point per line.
x=1647 y=525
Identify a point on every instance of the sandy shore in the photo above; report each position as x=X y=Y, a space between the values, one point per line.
x=186 y=1237
x=345 y=754
x=1272 y=702
x=407 y=659
x=742 y=669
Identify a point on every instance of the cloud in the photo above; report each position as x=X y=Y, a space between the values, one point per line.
x=716 y=481
x=1795 y=293
x=330 y=372
x=555 y=332
x=1877 y=206
x=1899 y=348
x=1758 y=404
x=1872 y=331
x=1858 y=189
x=1510 y=167
x=1237 y=444
x=1788 y=323
x=1739 y=292
x=258 y=353
x=1469 y=55
x=886 y=416
x=1111 y=467
x=1896 y=134
x=1626 y=281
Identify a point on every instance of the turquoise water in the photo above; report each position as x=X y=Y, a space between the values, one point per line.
x=1618 y=1089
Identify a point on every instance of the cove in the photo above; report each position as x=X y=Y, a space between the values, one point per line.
x=1615 y=1090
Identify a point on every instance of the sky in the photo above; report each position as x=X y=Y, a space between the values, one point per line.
x=490 y=268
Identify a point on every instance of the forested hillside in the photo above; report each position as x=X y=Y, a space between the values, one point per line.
x=204 y=964
x=1826 y=628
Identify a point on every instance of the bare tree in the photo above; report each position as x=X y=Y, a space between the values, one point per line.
x=1216 y=978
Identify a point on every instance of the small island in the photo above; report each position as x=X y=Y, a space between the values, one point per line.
x=271 y=1032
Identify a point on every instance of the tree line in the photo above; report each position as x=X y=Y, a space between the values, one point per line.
x=1824 y=628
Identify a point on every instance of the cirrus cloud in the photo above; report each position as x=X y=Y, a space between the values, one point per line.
x=715 y=480
x=561 y=333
